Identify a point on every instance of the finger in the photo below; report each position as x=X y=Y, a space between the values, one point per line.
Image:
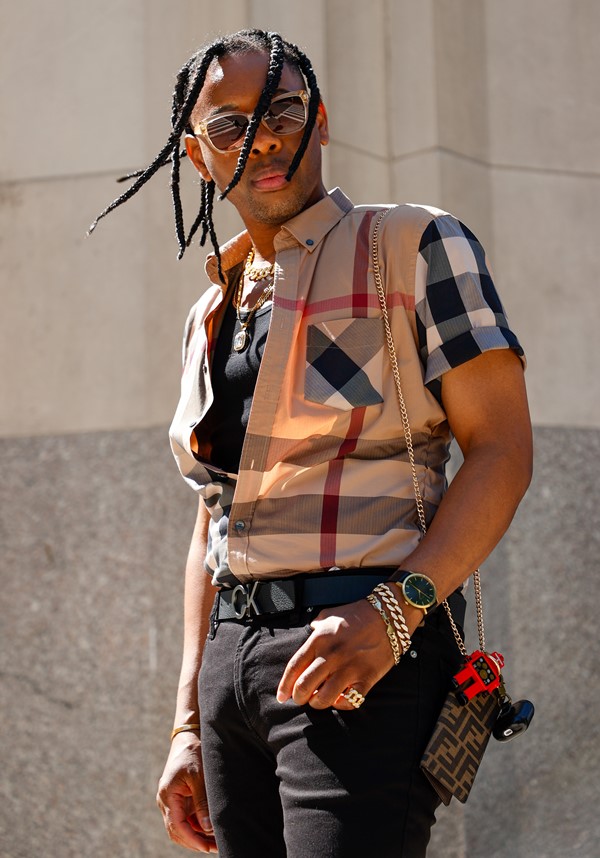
x=301 y=659
x=195 y=825
x=179 y=829
x=344 y=704
x=192 y=836
x=310 y=680
x=184 y=833
x=331 y=691
x=201 y=806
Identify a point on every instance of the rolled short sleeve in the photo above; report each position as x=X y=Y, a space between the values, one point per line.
x=458 y=310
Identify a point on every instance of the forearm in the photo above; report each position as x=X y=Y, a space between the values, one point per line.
x=181 y=791
x=473 y=516
x=486 y=405
x=198 y=600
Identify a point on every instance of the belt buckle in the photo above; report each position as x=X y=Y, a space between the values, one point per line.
x=245 y=593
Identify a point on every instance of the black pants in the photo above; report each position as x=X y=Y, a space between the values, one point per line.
x=289 y=780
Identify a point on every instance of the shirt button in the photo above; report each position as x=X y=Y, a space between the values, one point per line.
x=240 y=525
x=310 y=242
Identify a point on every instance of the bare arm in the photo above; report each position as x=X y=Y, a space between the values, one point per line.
x=199 y=595
x=486 y=404
x=181 y=793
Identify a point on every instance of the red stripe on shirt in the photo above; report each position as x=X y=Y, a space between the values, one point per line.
x=341 y=302
x=288 y=303
x=345 y=302
x=331 y=491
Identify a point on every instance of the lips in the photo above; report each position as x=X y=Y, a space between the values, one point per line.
x=271 y=179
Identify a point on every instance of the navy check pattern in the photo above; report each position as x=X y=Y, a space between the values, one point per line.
x=458 y=312
x=340 y=355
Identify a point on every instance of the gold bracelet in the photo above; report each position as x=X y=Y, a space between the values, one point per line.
x=374 y=601
x=391 y=603
x=184 y=728
x=397 y=620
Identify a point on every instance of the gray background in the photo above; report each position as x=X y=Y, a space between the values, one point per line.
x=489 y=110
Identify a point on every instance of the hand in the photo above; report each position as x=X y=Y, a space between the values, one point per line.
x=182 y=797
x=349 y=646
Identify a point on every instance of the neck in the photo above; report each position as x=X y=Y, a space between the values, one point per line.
x=263 y=238
x=263 y=234
x=263 y=257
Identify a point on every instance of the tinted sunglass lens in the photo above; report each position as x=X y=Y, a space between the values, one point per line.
x=286 y=115
x=227 y=132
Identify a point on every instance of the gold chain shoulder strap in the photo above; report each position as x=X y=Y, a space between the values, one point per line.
x=408 y=438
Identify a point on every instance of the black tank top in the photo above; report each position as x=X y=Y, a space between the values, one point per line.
x=233 y=376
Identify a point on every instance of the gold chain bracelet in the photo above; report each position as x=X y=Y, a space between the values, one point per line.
x=391 y=633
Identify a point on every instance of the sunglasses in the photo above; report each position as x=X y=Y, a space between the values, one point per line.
x=287 y=114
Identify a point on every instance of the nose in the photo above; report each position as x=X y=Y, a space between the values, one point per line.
x=265 y=141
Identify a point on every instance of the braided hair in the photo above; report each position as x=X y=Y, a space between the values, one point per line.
x=188 y=85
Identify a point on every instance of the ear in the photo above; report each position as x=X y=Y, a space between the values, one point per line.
x=322 y=124
x=194 y=153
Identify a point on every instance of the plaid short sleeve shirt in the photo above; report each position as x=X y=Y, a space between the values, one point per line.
x=324 y=477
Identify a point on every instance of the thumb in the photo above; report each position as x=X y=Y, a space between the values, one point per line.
x=201 y=810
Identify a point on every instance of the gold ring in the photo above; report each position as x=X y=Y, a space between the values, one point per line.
x=353 y=696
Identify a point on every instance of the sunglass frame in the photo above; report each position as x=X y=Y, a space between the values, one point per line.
x=202 y=128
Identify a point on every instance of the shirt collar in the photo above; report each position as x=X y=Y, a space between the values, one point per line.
x=307 y=229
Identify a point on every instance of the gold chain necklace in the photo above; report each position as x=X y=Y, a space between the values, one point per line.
x=242 y=338
x=257 y=272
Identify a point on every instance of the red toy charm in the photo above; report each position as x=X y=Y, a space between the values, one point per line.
x=480 y=673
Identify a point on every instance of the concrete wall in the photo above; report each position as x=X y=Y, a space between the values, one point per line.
x=490 y=110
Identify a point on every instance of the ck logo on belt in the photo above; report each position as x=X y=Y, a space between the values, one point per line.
x=242 y=600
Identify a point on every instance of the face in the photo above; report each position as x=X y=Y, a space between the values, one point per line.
x=262 y=196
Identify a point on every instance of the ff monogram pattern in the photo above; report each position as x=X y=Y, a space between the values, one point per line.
x=455 y=750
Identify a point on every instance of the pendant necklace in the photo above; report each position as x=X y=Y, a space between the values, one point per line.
x=242 y=338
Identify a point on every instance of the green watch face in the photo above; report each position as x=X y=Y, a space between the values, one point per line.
x=419 y=590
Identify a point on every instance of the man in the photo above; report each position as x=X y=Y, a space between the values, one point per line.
x=306 y=494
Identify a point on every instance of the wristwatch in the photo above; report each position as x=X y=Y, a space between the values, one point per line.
x=418 y=590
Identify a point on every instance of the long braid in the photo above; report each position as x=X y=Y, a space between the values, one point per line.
x=205 y=219
x=204 y=216
x=313 y=107
x=208 y=220
x=173 y=139
x=208 y=191
x=189 y=83
x=276 y=60
x=178 y=95
x=177 y=207
x=143 y=177
x=199 y=218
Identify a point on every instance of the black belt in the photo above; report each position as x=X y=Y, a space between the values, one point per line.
x=263 y=598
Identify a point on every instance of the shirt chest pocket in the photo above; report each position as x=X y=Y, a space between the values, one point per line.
x=344 y=363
